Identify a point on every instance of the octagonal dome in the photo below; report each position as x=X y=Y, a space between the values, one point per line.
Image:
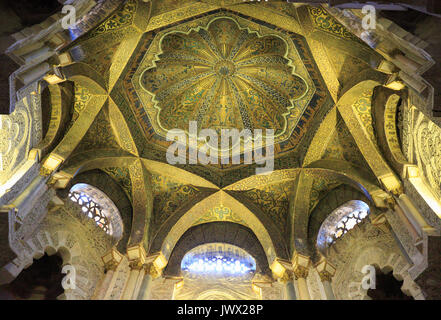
x=224 y=72
x=223 y=76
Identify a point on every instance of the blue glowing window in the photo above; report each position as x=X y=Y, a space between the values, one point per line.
x=218 y=259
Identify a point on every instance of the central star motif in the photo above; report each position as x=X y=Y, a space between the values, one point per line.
x=224 y=77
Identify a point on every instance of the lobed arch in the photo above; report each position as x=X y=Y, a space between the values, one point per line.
x=170 y=233
x=62 y=242
x=375 y=256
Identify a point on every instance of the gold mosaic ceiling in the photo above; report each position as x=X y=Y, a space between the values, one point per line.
x=223 y=76
x=248 y=66
x=225 y=71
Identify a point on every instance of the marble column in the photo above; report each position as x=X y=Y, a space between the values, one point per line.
x=137 y=258
x=138 y=283
x=326 y=279
x=301 y=274
x=152 y=269
x=300 y=269
x=135 y=270
x=290 y=292
x=326 y=271
x=111 y=261
x=144 y=291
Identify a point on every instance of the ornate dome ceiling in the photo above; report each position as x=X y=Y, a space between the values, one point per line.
x=223 y=76
x=225 y=72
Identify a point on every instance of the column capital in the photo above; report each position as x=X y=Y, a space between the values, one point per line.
x=325 y=270
x=301 y=265
x=137 y=256
x=392 y=184
x=282 y=269
x=325 y=276
x=300 y=272
x=391 y=202
x=112 y=259
x=154 y=264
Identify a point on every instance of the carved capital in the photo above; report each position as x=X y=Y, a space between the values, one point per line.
x=282 y=269
x=325 y=276
x=152 y=270
x=397 y=191
x=137 y=256
x=300 y=272
x=112 y=259
x=154 y=264
x=288 y=276
x=301 y=265
x=136 y=264
x=45 y=172
x=325 y=270
x=391 y=202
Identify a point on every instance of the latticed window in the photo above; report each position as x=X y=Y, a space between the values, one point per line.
x=347 y=223
x=340 y=221
x=91 y=209
x=99 y=207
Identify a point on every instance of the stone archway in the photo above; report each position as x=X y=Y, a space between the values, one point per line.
x=399 y=268
x=64 y=243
